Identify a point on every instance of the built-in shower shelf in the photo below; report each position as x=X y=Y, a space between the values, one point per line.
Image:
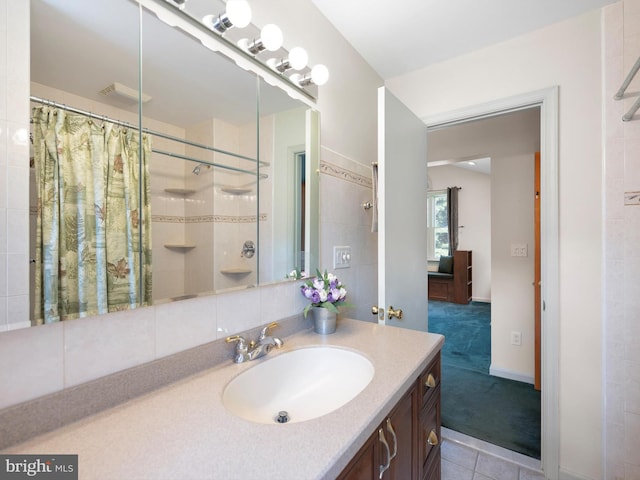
x=235 y=271
x=235 y=190
x=180 y=246
x=180 y=191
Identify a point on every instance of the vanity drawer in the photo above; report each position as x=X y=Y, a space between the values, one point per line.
x=433 y=470
x=429 y=435
x=430 y=381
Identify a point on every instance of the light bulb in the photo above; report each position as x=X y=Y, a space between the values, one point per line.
x=298 y=58
x=239 y=12
x=319 y=74
x=271 y=37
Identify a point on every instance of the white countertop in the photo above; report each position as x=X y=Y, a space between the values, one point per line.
x=183 y=431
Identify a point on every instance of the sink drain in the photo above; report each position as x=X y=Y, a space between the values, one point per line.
x=282 y=417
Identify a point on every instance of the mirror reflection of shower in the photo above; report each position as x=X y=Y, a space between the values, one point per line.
x=197 y=168
x=299 y=189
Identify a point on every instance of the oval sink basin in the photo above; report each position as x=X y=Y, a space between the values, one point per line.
x=305 y=383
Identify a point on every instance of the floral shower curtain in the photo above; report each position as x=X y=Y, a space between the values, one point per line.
x=93 y=245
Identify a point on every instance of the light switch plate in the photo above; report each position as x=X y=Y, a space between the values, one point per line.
x=341 y=257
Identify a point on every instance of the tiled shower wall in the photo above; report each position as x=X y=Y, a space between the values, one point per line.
x=622 y=245
x=14 y=165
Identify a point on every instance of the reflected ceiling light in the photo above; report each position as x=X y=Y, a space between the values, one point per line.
x=270 y=39
x=179 y=3
x=297 y=60
x=237 y=14
x=319 y=76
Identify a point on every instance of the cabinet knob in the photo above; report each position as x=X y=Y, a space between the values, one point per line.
x=432 y=439
x=430 y=382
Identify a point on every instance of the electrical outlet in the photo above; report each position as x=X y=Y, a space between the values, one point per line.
x=516 y=338
x=341 y=257
x=519 y=250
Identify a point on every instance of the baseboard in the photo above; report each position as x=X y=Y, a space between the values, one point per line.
x=511 y=375
x=563 y=475
x=480 y=299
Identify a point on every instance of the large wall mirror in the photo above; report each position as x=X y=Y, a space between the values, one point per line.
x=184 y=174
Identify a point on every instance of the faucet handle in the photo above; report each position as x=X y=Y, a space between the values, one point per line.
x=263 y=332
x=242 y=343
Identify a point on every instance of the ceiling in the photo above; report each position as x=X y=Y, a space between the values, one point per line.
x=399 y=36
x=471 y=145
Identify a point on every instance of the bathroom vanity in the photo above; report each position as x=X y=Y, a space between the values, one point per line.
x=183 y=430
x=406 y=445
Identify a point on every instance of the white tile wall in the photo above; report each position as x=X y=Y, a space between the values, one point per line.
x=183 y=325
x=45 y=359
x=344 y=186
x=14 y=167
x=90 y=350
x=622 y=255
x=32 y=363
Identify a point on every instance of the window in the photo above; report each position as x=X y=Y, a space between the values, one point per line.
x=437 y=228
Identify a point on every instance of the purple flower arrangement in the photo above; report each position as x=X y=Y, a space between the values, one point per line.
x=326 y=291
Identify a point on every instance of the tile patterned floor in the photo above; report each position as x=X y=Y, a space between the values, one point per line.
x=466 y=458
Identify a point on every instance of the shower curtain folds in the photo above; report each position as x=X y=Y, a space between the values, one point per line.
x=93 y=228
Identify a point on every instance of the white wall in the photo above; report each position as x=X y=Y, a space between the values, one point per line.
x=512 y=306
x=567 y=54
x=475 y=214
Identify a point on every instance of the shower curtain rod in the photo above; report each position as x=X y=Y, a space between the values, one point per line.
x=632 y=73
x=634 y=108
x=149 y=132
x=204 y=162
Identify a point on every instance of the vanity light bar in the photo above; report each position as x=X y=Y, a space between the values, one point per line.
x=167 y=11
x=238 y=15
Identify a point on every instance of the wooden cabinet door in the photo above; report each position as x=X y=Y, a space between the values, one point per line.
x=365 y=465
x=401 y=432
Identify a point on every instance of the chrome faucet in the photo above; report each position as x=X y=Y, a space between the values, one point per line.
x=255 y=349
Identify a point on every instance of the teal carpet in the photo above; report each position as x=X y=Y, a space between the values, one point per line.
x=496 y=410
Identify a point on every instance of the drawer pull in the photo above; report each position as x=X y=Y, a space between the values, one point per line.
x=395 y=439
x=430 y=382
x=384 y=468
x=432 y=439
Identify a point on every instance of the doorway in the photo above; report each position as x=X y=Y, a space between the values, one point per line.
x=488 y=358
x=546 y=101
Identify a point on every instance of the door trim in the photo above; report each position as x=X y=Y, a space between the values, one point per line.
x=547 y=100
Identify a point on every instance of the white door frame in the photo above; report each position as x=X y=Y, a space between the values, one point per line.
x=547 y=100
